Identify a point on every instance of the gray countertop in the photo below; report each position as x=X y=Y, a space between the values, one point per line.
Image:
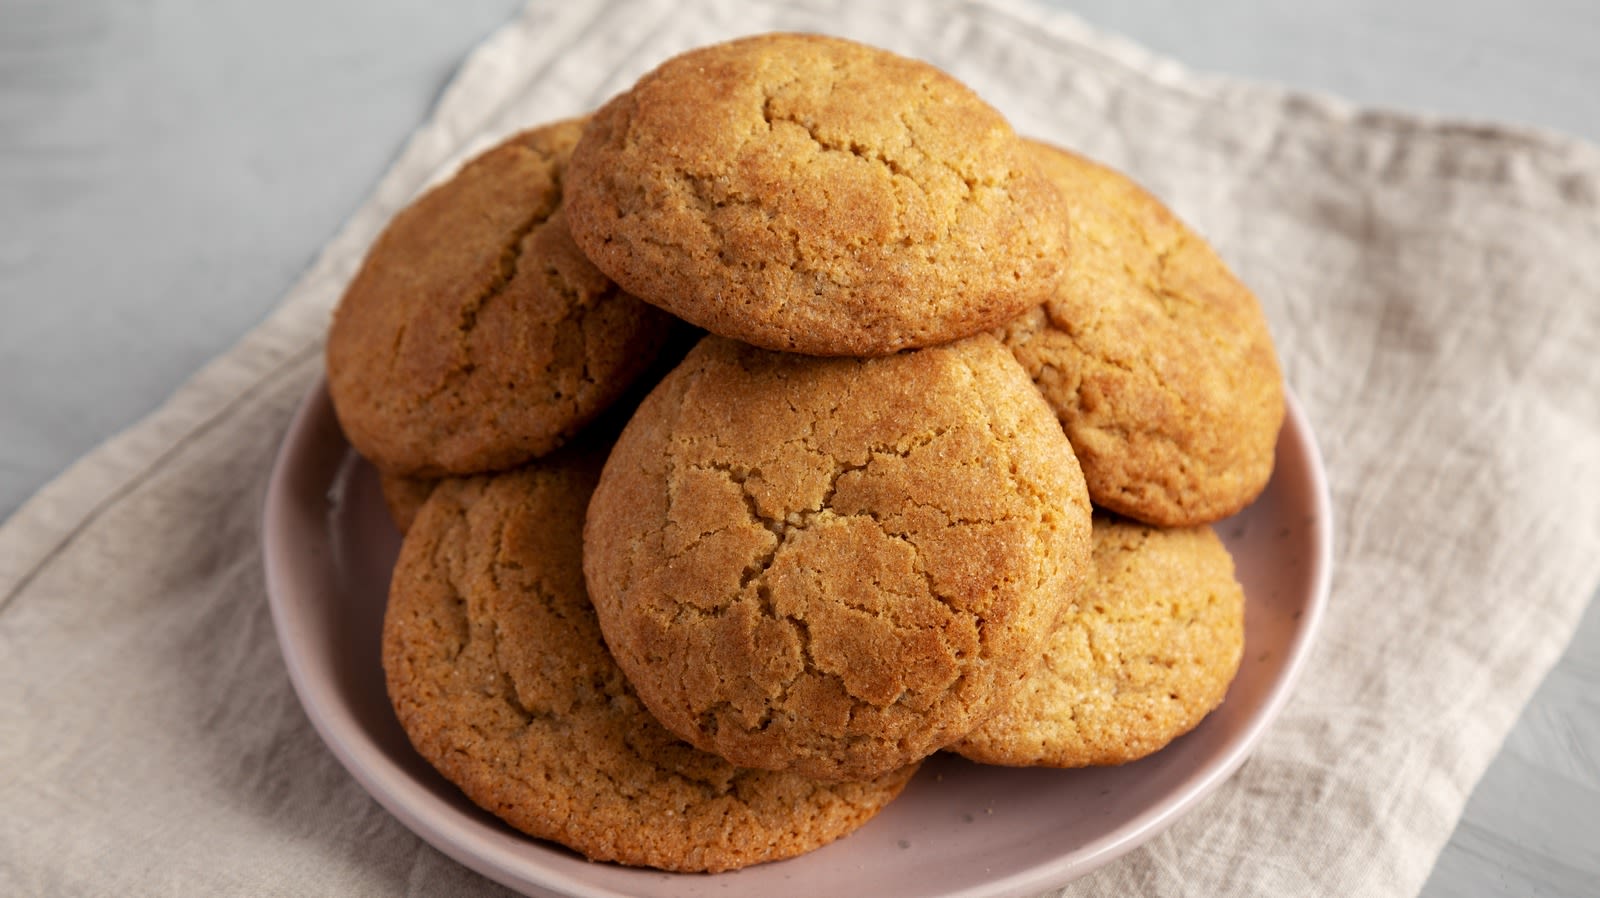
x=168 y=169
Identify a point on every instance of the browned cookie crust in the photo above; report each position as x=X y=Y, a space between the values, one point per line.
x=1156 y=358
x=498 y=673
x=835 y=566
x=815 y=195
x=476 y=335
x=1146 y=651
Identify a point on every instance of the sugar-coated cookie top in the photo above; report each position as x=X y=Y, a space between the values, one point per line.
x=835 y=566
x=815 y=195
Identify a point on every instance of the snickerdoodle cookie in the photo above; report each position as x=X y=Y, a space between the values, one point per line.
x=498 y=673
x=815 y=195
x=1155 y=357
x=476 y=335
x=1144 y=651
x=835 y=566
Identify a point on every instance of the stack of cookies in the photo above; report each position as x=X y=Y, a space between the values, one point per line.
x=936 y=474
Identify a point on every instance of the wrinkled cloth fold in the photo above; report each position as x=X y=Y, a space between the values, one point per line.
x=1435 y=296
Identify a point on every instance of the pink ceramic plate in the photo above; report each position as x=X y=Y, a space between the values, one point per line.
x=960 y=829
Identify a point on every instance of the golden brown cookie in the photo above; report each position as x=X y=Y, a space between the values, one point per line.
x=499 y=675
x=476 y=335
x=835 y=566
x=815 y=195
x=1146 y=650
x=403 y=497
x=1155 y=357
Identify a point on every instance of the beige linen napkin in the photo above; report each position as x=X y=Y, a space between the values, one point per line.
x=1435 y=293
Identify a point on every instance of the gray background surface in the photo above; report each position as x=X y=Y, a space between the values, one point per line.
x=167 y=169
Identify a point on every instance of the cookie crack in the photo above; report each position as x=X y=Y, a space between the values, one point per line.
x=1170 y=299
x=508 y=685
x=754 y=585
x=710 y=786
x=506 y=270
x=577 y=304
x=1047 y=568
x=712 y=193
x=972 y=183
x=467 y=320
x=459 y=611
x=1178 y=463
x=739 y=476
x=900 y=169
x=398 y=344
x=709 y=719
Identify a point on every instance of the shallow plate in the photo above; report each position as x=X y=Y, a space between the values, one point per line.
x=959 y=829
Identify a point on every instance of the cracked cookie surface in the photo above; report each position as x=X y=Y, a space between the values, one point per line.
x=1157 y=360
x=499 y=675
x=476 y=335
x=811 y=194
x=1145 y=651
x=835 y=566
